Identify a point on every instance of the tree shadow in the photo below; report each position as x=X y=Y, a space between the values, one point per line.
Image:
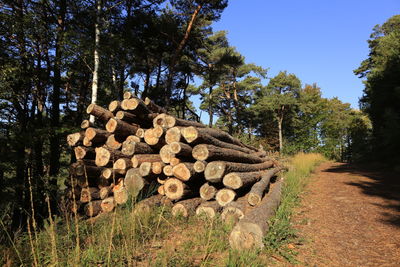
x=383 y=184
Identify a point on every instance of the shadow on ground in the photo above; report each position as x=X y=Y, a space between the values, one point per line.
x=385 y=185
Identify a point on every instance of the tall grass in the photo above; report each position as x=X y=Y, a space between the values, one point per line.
x=127 y=238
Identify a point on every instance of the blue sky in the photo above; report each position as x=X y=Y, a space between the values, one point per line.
x=319 y=41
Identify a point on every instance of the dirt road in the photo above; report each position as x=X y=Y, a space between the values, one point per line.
x=349 y=217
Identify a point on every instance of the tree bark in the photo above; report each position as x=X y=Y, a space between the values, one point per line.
x=180 y=149
x=100 y=113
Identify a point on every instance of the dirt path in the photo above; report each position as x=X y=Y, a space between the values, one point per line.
x=350 y=217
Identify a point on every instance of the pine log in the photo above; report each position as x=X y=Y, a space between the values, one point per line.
x=130 y=148
x=93 y=208
x=166 y=154
x=207 y=191
x=84 y=153
x=128 y=95
x=140 y=132
x=249 y=232
x=235 y=210
x=257 y=190
x=122 y=165
x=89 y=193
x=99 y=112
x=82 y=168
x=95 y=135
x=146 y=205
x=114 y=142
x=199 y=166
x=173 y=135
x=151 y=137
x=114 y=106
x=161 y=179
x=86 y=124
x=174 y=161
x=121 y=128
x=184 y=171
x=225 y=196
x=110 y=174
x=120 y=193
x=186 y=207
x=154 y=107
x=216 y=170
x=134 y=182
x=135 y=105
x=159 y=131
x=145 y=169
x=176 y=189
x=167 y=121
x=108 y=204
x=167 y=170
x=261 y=154
x=138 y=159
x=161 y=190
x=236 y=180
x=196 y=136
x=75 y=138
x=180 y=149
x=157 y=167
x=105 y=155
x=133 y=138
x=127 y=117
x=210 y=152
x=86 y=142
x=210 y=209
x=105 y=191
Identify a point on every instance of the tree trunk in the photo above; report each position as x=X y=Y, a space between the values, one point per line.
x=210 y=111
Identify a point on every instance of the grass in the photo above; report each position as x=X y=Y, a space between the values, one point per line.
x=125 y=238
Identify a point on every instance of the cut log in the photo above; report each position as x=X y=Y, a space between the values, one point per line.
x=249 y=232
x=257 y=190
x=236 y=180
x=186 y=207
x=174 y=161
x=150 y=137
x=127 y=117
x=145 y=169
x=183 y=171
x=130 y=148
x=216 y=170
x=210 y=209
x=105 y=191
x=122 y=165
x=75 y=138
x=157 y=167
x=105 y=156
x=82 y=168
x=133 y=138
x=100 y=113
x=134 y=182
x=120 y=193
x=176 y=189
x=84 y=153
x=138 y=159
x=158 y=131
x=167 y=170
x=196 y=136
x=86 y=142
x=135 y=105
x=86 y=124
x=235 y=210
x=93 y=208
x=225 y=196
x=95 y=135
x=121 y=128
x=161 y=180
x=207 y=191
x=167 y=121
x=108 y=204
x=110 y=174
x=180 y=149
x=166 y=154
x=154 y=107
x=114 y=106
x=113 y=142
x=210 y=152
x=73 y=192
x=199 y=166
x=173 y=135
x=161 y=190
x=89 y=193
x=146 y=205
x=140 y=132
x=128 y=95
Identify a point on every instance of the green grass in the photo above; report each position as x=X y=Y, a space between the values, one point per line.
x=125 y=238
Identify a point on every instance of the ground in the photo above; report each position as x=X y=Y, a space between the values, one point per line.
x=349 y=217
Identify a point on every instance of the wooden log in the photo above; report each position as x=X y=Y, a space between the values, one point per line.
x=114 y=106
x=210 y=209
x=199 y=166
x=146 y=205
x=161 y=179
x=74 y=206
x=140 y=132
x=159 y=131
x=121 y=128
x=257 y=190
x=86 y=124
x=196 y=136
x=127 y=117
x=110 y=174
x=183 y=171
x=95 y=135
x=150 y=137
x=207 y=191
x=249 y=232
x=128 y=95
x=122 y=165
x=108 y=204
x=236 y=180
x=75 y=139
x=261 y=154
x=173 y=135
x=120 y=193
x=82 y=168
x=167 y=170
x=93 y=208
x=105 y=191
x=130 y=148
x=145 y=169
x=154 y=107
x=161 y=190
x=105 y=155
x=176 y=189
x=216 y=170
x=138 y=159
x=135 y=105
x=235 y=210
x=180 y=149
x=157 y=167
x=186 y=208
x=225 y=196
x=167 y=121
x=84 y=153
x=86 y=142
x=114 y=142
x=174 y=161
x=210 y=152
x=166 y=154
x=134 y=182
x=100 y=113
x=133 y=138
x=89 y=193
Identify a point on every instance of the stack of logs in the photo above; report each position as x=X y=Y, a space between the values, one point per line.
x=200 y=170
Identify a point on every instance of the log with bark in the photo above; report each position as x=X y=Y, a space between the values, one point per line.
x=186 y=207
x=75 y=139
x=108 y=204
x=236 y=180
x=207 y=191
x=121 y=128
x=130 y=148
x=84 y=153
x=173 y=135
x=105 y=156
x=153 y=106
x=225 y=196
x=100 y=113
x=97 y=136
x=257 y=190
x=175 y=189
x=209 y=209
x=138 y=159
x=93 y=208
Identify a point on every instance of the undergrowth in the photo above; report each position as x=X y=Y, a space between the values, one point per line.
x=127 y=238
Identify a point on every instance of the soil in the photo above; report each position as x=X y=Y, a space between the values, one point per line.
x=349 y=216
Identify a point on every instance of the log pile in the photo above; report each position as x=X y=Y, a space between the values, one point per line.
x=200 y=169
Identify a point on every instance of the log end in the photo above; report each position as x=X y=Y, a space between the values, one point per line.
x=190 y=134
x=200 y=152
x=232 y=180
x=246 y=236
x=214 y=171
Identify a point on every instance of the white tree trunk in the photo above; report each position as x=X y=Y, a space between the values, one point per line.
x=96 y=58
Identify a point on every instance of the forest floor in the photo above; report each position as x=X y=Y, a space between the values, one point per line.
x=349 y=216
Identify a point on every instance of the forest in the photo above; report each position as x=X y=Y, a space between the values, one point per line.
x=58 y=56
